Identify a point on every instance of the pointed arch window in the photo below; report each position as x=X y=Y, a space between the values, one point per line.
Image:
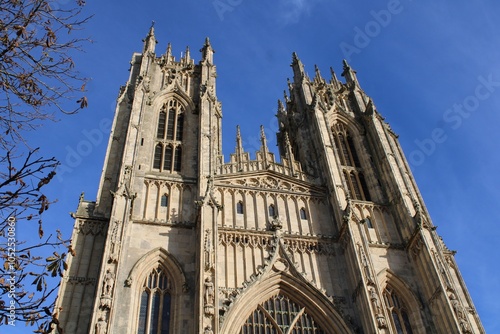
x=155 y=308
x=368 y=222
x=350 y=163
x=303 y=214
x=398 y=311
x=164 y=201
x=169 y=134
x=280 y=314
x=272 y=211
x=239 y=208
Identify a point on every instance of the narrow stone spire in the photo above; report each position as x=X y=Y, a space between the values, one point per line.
x=239 y=148
x=317 y=76
x=281 y=108
x=168 y=53
x=289 y=153
x=334 y=80
x=285 y=96
x=349 y=74
x=239 y=145
x=264 y=149
x=298 y=68
x=187 y=56
x=150 y=40
x=207 y=52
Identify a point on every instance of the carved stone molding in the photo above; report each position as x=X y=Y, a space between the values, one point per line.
x=87 y=227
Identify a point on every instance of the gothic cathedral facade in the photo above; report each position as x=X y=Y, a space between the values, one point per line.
x=333 y=237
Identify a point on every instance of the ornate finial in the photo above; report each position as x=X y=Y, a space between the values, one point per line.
x=262 y=133
x=346 y=65
x=207 y=51
x=207 y=42
x=169 y=50
x=285 y=96
x=238 y=132
x=281 y=107
x=263 y=141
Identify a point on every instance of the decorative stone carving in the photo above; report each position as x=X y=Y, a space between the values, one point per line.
x=366 y=265
x=275 y=224
x=208 y=330
x=209 y=296
x=109 y=282
x=461 y=314
x=86 y=227
x=379 y=314
x=101 y=326
x=209 y=254
x=115 y=242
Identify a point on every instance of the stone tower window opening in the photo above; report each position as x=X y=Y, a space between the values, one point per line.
x=303 y=214
x=169 y=134
x=398 y=311
x=272 y=211
x=164 y=201
x=239 y=208
x=155 y=304
x=349 y=159
x=368 y=222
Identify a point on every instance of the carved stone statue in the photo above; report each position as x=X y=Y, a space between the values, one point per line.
x=100 y=326
x=209 y=291
x=109 y=282
x=208 y=330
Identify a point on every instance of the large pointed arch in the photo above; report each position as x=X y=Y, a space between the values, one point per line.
x=315 y=304
x=390 y=280
x=160 y=259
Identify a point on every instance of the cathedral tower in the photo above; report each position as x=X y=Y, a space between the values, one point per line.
x=332 y=238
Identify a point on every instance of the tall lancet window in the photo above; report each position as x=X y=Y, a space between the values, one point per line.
x=169 y=133
x=351 y=166
x=398 y=311
x=154 y=312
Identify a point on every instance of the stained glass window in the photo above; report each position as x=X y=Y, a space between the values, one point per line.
x=154 y=311
x=279 y=314
x=398 y=311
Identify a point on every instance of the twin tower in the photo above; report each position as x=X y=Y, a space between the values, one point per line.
x=332 y=237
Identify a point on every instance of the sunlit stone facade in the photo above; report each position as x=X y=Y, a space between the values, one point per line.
x=331 y=237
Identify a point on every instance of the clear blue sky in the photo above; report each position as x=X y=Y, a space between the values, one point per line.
x=420 y=64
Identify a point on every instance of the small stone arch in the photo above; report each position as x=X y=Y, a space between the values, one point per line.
x=314 y=302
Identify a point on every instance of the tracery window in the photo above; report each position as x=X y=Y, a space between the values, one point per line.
x=155 y=307
x=398 y=311
x=353 y=173
x=279 y=315
x=169 y=133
